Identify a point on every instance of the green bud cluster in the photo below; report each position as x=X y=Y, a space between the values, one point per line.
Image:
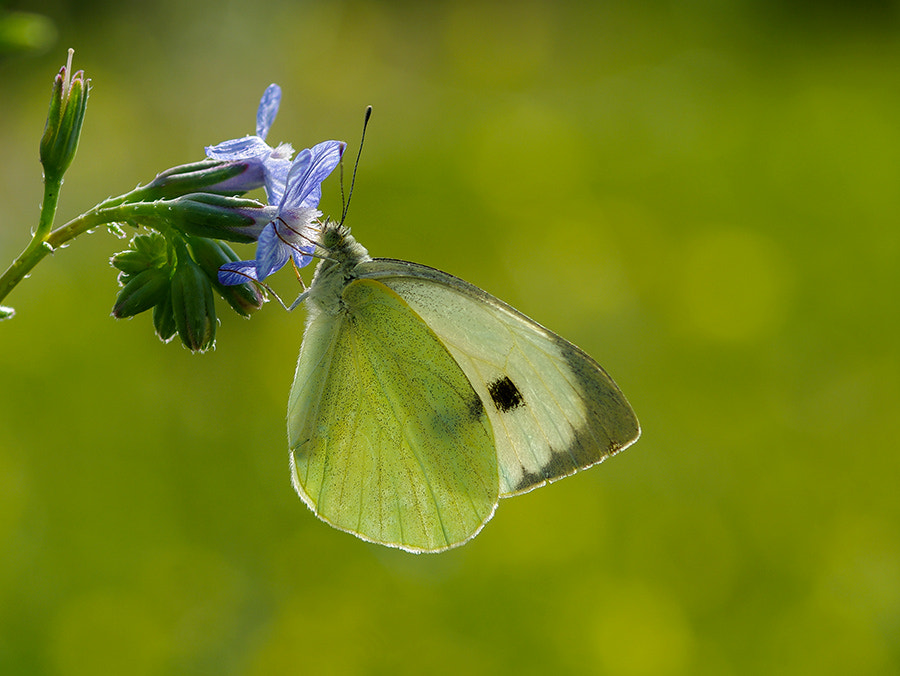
x=176 y=275
x=143 y=275
x=211 y=254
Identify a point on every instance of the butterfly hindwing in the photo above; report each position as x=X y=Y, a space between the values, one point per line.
x=388 y=439
x=552 y=408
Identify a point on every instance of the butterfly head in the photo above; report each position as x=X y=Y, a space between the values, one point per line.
x=338 y=247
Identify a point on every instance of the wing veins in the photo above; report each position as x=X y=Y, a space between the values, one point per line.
x=352 y=433
x=411 y=446
x=329 y=356
x=440 y=416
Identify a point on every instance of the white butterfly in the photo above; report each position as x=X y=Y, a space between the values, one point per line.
x=419 y=400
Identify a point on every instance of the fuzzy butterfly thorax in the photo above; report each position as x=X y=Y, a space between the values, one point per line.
x=340 y=253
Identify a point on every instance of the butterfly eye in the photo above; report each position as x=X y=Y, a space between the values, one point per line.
x=332 y=238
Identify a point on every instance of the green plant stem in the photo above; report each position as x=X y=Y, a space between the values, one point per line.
x=52 y=186
x=38 y=247
x=46 y=241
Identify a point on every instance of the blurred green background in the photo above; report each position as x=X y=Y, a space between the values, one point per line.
x=702 y=195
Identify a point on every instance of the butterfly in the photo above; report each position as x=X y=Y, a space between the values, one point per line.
x=419 y=400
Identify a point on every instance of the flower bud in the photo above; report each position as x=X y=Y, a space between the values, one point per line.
x=141 y=292
x=220 y=217
x=164 y=319
x=192 y=304
x=209 y=176
x=211 y=255
x=131 y=262
x=68 y=103
x=146 y=251
x=202 y=215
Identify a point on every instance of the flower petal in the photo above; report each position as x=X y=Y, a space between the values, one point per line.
x=238 y=272
x=309 y=169
x=268 y=109
x=271 y=253
x=276 y=173
x=299 y=232
x=238 y=149
x=301 y=259
x=299 y=168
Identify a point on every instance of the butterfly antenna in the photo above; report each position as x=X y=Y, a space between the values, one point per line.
x=362 y=140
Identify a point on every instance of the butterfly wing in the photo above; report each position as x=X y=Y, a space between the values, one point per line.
x=388 y=439
x=553 y=409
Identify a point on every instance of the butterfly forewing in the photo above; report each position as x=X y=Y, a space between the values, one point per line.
x=552 y=408
x=388 y=438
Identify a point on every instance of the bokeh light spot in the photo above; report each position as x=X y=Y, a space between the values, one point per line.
x=733 y=286
x=579 y=262
x=13 y=496
x=108 y=633
x=508 y=57
x=526 y=161
x=640 y=632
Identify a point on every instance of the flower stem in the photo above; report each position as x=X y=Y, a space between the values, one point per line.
x=46 y=241
x=121 y=209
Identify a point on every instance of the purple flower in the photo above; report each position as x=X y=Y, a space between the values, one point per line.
x=266 y=165
x=292 y=234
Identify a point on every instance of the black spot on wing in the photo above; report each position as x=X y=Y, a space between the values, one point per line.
x=505 y=394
